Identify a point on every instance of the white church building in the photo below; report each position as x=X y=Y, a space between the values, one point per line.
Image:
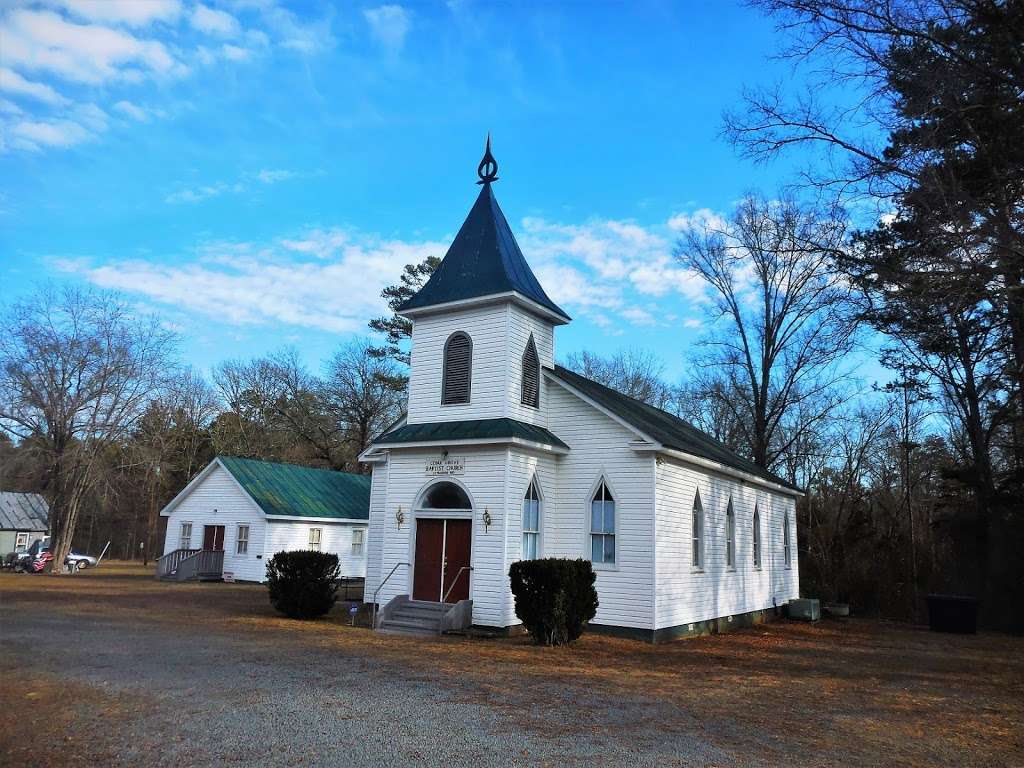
x=504 y=455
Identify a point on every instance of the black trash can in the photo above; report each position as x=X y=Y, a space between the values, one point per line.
x=953 y=613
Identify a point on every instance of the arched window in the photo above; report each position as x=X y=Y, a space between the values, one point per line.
x=446 y=495
x=786 y=545
x=730 y=536
x=757 y=538
x=531 y=521
x=531 y=375
x=697 y=528
x=458 y=369
x=602 y=526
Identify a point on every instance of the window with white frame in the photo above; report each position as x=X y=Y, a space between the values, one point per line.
x=185 y=539
x=602 y=526
x=787 y=546
x=697 y=533
x=21 y=541
x=757 y=538
x=457 y=369
x=531 y=375
x=531 y=521
x=358 y=540
x=242 y=540
x=314 y=538
x=730 y=536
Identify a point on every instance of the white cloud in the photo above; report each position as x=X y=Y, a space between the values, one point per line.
x=132 y=13
x=638 y=316
x=202 y=192
x=85 y=53
x=31 y=134
x=389 y=24
x=12 y=82
x=272 y=176
x=699 y=220
x=213 y=22
x=246 y=284
x=692 y=322
x=134 y=111
x=235 y=52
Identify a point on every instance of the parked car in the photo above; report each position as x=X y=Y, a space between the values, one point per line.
x=79 y=562
x=38 y=554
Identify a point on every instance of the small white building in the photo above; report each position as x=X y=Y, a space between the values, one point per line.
x=249 y=510
x=505 y=455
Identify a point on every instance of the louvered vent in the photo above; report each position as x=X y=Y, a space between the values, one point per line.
x=458 y=367
x=531 y=375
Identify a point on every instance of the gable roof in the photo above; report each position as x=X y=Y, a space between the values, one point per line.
x=478 y=429
x=663 y=427
x=23 y=512
x=484 y=259
x=293 y=491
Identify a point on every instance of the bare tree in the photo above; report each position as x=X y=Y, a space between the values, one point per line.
x=360 y=390
x=77 y=369
x=781 y=325
x=633 y=372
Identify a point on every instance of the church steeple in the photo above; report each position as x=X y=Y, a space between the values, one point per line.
x=484 y=259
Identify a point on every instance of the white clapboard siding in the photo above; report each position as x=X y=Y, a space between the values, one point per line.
x=484 y=481
x=375 y=531
x=523 y=467
x=599 y=447
x=520 y=325
x=289 y=535
x=217 y=500
x=685 y=594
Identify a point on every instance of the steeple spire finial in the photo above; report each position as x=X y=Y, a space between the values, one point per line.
x=488 y=168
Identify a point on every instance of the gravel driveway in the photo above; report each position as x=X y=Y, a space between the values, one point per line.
x=210 y=698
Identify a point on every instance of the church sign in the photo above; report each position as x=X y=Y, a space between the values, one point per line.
x=446 y=465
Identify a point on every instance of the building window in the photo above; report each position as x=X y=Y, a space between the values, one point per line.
x=602 y=526
x=21 y=542
x=185 y=540
x=531 y=375
x=787 y=547
x=697 y=532
x=458 y=369
x=757 y=538
x=531 y=521
x=358 y=538
x=730 y=536
x=314 y=538
x=242 y=540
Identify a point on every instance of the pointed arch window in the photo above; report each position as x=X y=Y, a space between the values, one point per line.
x=697 y=533
x=531 y=521
x=458 y=369
x=602 y=526
x=531 y=375
x=787 y=547
x=730 y=536
x=757 y=538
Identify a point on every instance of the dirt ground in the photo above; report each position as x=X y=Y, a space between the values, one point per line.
x=88 y=665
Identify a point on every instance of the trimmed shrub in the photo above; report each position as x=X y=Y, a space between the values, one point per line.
x=303 y=584
x=555 y=598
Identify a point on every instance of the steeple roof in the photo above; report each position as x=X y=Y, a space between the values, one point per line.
x=484 y=259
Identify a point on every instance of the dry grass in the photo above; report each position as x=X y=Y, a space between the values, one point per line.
x=855 y=692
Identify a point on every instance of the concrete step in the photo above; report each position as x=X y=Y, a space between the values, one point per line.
x=423 y=613
x=412 y=626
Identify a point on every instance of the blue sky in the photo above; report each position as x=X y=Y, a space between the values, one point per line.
x=255 y=172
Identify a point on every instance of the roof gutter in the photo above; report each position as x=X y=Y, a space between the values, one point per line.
x=547 y=447
x=493 y=298
x=310 y=519
x=689 y=458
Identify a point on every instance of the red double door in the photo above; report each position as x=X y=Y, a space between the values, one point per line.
x=443 y=549
x=213 y=537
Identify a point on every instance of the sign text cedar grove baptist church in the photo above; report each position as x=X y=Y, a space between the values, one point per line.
x=446 y=465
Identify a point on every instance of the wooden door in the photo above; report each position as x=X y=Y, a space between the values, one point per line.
x=458 y=542
x=213 y=538
x=429 y=556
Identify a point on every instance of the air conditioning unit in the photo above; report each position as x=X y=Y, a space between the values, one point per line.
x=804 y=609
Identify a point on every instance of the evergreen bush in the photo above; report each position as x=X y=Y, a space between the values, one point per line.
x=555 y=598
x=303 y=584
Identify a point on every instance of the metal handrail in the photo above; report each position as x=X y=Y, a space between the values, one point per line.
x=373 y=616
x=455 y=581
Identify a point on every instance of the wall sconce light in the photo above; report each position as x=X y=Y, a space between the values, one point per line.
x=399 y=517
x=487 y=519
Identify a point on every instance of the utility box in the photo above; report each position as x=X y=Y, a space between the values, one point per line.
x=804 y=609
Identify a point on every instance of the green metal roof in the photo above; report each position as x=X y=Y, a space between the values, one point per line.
x=670 y=431
x=294 y=491
x=442 y=431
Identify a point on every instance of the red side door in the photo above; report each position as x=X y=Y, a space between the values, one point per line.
x=458 y=542
x=426 y=583
x=213 y=538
